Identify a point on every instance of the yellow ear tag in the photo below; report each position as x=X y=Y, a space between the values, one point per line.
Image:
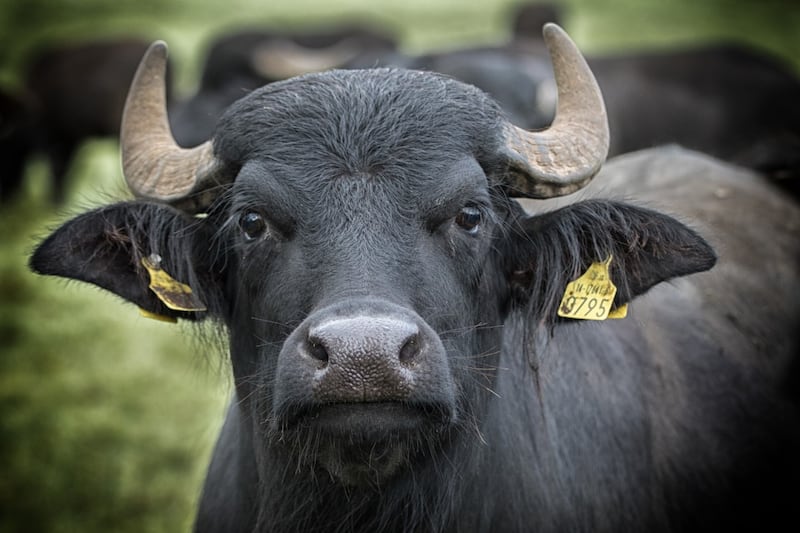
x=591 y=296
x=175 y=295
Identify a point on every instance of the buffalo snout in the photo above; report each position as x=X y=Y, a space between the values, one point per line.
x=375 y=354
x=368 y=384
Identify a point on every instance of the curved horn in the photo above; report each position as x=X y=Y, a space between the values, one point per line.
x=155 y=167
x=565 y=156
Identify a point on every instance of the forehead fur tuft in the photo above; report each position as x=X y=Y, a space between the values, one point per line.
x=360 y=119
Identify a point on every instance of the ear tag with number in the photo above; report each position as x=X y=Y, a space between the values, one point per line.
x=591 y=296
x=175 y=295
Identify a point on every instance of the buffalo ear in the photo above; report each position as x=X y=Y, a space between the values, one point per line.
x=105 y=247
x=548 y=251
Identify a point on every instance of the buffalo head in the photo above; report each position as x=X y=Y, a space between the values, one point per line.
x=356 y=234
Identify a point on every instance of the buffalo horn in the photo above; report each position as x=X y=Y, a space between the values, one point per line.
x=564 y=157
x=155 y=167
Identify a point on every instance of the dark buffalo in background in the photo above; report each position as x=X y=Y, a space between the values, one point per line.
x=239 y=62
x=17 y=140
x=76 y=92
x=398 y=360
x=730 y=101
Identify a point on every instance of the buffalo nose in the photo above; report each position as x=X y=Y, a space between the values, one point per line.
x=364 y=342
x=365 y=359
x=360 y=352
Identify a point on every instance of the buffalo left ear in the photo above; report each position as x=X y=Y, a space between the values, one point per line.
x=106 y=247
x=546 y=252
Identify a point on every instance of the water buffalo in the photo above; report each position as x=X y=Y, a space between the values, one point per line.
x=400 y=358
x=239 y=62
x=78 y=92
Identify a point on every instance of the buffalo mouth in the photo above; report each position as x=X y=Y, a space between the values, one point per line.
x=365 y=443
x=371 y=420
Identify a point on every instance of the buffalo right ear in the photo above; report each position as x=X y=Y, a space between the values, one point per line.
x=547 y=251
x=105 y=247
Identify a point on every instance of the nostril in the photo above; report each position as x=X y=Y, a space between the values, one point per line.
x=317 y=350
x=410 y=349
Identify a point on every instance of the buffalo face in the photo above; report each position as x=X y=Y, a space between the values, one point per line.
x=363 y=316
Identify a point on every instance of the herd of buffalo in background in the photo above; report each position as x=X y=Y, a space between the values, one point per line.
x=727 y=100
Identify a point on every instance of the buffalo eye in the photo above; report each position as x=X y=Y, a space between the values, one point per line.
x=253 y=225
x=469 y=218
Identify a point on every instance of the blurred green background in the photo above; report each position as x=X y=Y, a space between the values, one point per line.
x=107 y=418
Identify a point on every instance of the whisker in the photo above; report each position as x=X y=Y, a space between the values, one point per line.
x=470 y=329
x=273 y=322
x=490 y=390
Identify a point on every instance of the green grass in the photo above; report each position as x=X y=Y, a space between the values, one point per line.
x=106 y=418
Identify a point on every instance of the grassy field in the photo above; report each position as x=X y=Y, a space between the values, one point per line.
x=107 y=418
